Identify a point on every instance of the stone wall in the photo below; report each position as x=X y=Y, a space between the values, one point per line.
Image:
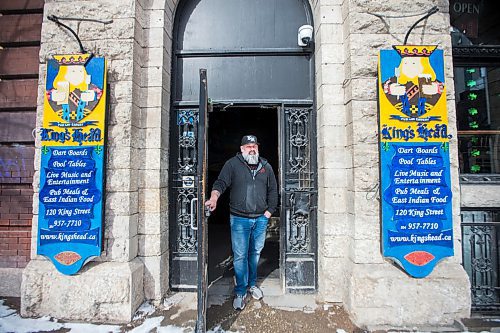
x=379 y=294
x=154 y=36
x=109 y=292
x=110 y=288
x=134 y=262
x=335 y=177
x=479 y=196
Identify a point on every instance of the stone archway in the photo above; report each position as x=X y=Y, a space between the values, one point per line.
x=252 y=58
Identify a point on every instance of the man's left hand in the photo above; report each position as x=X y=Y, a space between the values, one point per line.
x=267 y=214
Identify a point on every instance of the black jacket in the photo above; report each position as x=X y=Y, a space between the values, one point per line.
x=252 y=192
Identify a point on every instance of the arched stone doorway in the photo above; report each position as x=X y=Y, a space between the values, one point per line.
x=260 y=81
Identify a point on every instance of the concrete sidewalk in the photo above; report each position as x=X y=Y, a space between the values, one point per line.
x=276 y=313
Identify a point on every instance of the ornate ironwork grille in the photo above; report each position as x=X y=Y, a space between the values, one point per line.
x=182 y=237
x=480 y=241
x=299 y=197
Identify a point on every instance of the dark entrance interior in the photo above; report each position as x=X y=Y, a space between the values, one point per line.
x=250 y=53
x=226 y=126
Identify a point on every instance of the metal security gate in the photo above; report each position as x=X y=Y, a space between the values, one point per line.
x=480 y=244
x=257 y=64
x=298 y=215
x=298 y=199
x=188 y=187
x=183 y=195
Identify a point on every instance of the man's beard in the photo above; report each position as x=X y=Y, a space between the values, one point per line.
x=251 y=159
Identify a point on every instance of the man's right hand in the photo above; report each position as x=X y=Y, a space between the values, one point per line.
x=212 y=202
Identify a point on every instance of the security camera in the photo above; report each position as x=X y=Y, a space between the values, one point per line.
x=305 y=35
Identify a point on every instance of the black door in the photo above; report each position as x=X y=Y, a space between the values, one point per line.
x=202 y=213
x=298 y=199
x=188 y=235
x=250 y=49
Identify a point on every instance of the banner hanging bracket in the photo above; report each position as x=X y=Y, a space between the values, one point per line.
x=57 y=20
x=431 y=11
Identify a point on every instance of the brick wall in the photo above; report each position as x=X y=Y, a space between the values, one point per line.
x=20 y=29
x=16 y=203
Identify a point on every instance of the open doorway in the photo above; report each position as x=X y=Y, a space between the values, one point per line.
x=226 y=126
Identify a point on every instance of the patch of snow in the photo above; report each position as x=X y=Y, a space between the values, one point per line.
x=12 y=322
x=339 y=330
x=173 y=300
x=148 y=325
x=85 y=328
x=5 y=310
x=144 y=310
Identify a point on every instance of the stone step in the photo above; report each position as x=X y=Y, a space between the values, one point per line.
x=222 y=290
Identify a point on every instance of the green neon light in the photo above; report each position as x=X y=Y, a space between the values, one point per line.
x=472 y=96
x=475 y=168
x=471 y=83
x=472 y=111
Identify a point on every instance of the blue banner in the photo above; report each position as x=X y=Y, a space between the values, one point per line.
x=417 y=226
x=70 y=214
x=70 y=206
x=416 y=205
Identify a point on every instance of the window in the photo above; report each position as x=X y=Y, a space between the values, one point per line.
x=480 y=238
x=477 y=97
x=476 y=59
x=475 y=22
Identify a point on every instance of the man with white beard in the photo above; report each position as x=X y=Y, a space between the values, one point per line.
x=253 y=199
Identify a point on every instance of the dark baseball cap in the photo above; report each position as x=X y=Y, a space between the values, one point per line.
x=249 y=139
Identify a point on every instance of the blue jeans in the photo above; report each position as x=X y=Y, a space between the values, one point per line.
x=247 y=238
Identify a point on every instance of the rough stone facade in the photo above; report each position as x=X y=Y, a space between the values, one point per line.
x=352 y=271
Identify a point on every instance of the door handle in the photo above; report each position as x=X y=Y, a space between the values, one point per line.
x=192 y=213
